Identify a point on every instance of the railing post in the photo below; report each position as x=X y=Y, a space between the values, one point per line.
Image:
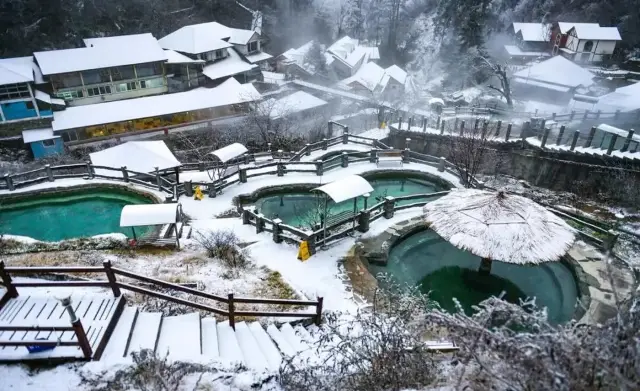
x=345 y=136
x=586 y=114
x=319 y=168
x=627 y=141
x=560 y=134
x=438 y=122
x=344 y=159
x=6 y=281
x=612 y=143
x=276 y=230
x=188 y=188
x=9 y=180
x=242 y=175
x=576 y=135
x=573 y=114
x=455 y=124
x=47 y=168
x=325 y=144
x=247 y=158
x=498 y=127
x=311 y=242
x=259 y=223
x=461 y=128
x=476 y=123
x=90 y=171
x=330 y=129
x=425 y=121
x=523 y=135
x=442 y=164
x=610 y=241
x=364 y=219
x=279 y=169
x=125 y=173
x=111 y=276
x=399 y=123
x=158 y=179
x=598 y=114
x=319 y=311
x=83 y=341
x=232 y=310
x=200 y=166
x=246 y=217
x=213 y=191
x=307 y=150
x=545 y=135
x=592 y=133
x=373 y=154
x=388 y=207
x=508 y=134
x=442 y=127
x=409 y=124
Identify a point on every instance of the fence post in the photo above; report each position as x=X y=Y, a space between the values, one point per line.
x=345 y=136
x=442 y=164
x=409 y=124
x=247 y=158
x=125 y=173
x=9 y=180
x=232 y=310
x=455 y=124
x=545 y=135
x=112 y=278
x=586 y=114
x=612 y=143
x=573 y=114
x=259 y=223
x=344 y=159
x=325 y=144
x=576 y=135
x=279 y=169
x=242 y=175
x=78 y=329
x=6 y=281
x=598 y=114
x=188 y=188
x=307 y=149
x=319 y=168
x=627 y=141
x=442 y=127
x=462 y=128
x=592 y=133
x=610 y=241
x=373 y=155
x=438 y=122
x=388 y=207
x=200 y=166
x=276 y=230
x=47 y=168
x=364 y=219
x=508 y=134
x=498 y=127
x=213 y=192
x=523 y=135
x=424 y=124
x=158 y=179
x=319 y=311
x=330 y=129
x=246 y=217
x=476 y=123
x=311 y=242
x=560 y=134
x=90 y=172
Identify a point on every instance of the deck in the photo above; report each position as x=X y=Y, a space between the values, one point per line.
x=98 y=313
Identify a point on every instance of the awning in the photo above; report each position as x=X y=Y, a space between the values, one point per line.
x=154 y=214
x=44 y=97
x=33 y=135
x=230 y=152
x=346 y=188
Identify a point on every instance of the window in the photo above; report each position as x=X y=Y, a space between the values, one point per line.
x=152 y=83
x=123 y=73
x=67 y=80
x=124 y=87
x=14 y=91
x=29 y=105
x=96 y=76
x=143 y=84
x=70 y=94
x=588 y=46
x=48 y=143
x=252 y=46
x=219 y=53
x=70 y=136
x=146 y=70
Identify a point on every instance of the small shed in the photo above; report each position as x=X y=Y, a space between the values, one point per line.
x=139 y=156
x=224 y=156
x=168 y=215
x=43 y=142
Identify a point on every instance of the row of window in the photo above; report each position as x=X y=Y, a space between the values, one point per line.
x=14 y=91
x=107 y=89
x=106 y=75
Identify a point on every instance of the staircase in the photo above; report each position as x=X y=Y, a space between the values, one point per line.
x=192 y=338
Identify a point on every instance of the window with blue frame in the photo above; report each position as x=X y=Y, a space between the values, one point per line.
x=18 y=110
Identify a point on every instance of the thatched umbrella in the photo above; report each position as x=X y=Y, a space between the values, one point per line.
x=499 y=226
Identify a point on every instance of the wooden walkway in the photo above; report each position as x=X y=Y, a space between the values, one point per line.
x=96 y=311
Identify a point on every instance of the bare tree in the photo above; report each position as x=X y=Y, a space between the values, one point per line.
x=468 y=146
x=496 y=69
x=269 y=118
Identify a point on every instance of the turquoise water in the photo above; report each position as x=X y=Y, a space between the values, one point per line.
x=69 y=215
x=427 y=260
x=304 y=209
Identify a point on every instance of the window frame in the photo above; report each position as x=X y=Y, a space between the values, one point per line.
x=52 y=141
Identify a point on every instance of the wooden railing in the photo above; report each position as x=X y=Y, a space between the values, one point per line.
x=117 y=285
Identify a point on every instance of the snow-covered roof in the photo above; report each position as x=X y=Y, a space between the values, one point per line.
x=346 y=188
x=566 y=26
x=12 y=72
x=273 y=77
x=174 y=57
x=22 y=63
x=229 y=66
x=33 y=135
x=153 y=214
x=294 y=103
x=198 y=38
x=557 y=70
x=44 y=97
x=536 y=83
x=372 y=76
x=397 y=73
x=105 y=52
x=499 y=226
x=228 y=93
x=533 y=32
x=229 y=152
x=597 y=33
x=241 y=36
x=140 y=156
x=624 y=98
x=298 y=55
x=257 y=57
x=514 y=50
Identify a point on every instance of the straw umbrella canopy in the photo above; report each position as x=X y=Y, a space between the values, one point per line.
x=499 y=226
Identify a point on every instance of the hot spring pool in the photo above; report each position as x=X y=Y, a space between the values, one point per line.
x=303 y=209
x=70 y=214
x=427 y=260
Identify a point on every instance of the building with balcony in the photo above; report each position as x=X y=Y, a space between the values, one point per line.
x=106 y=70
x=584 y=42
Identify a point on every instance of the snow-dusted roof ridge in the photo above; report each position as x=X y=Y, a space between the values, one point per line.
x=229 y=66
x=13 y=73
x=533 y=32
x=597 y=33
x=140 y=156
x=198 y=38
x=566 y=26
x=559 y=71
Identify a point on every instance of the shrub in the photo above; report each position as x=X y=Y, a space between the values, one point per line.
x=225 y=246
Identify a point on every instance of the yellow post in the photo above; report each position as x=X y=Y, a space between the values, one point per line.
x=303 y=251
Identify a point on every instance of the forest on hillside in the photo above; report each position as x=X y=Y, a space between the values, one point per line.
x=405 y=29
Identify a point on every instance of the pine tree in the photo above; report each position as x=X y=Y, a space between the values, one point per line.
x=315 y=58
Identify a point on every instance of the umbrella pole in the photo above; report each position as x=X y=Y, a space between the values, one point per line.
x=485 y=266
x=324 y=224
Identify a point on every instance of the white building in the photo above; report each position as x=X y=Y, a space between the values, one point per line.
x=625 y=99
x=373 y=80
x=585 y=42
x=347 y=55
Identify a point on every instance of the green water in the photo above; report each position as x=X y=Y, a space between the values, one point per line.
x=72 y=214
x=304 y=209
x=427 y=260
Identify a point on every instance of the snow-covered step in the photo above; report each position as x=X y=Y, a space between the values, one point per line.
x=209 y=338
x=180 y=337
x=279 y=339
x=253 y=356
x=145 y=332
x=292 y=339
x=304 y=335
x=117 y=345
x=268 y=348
x=228 y=344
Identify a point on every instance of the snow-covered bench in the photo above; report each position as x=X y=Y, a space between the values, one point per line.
x=389 y=157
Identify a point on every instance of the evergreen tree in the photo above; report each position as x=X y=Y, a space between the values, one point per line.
x=315 y=58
